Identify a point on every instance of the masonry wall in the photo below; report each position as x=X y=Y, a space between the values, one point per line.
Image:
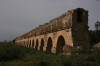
x=80 y=27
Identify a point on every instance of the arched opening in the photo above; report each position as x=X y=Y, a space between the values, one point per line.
x=49 y=45
x=37 y=43
x=60 y=44
x=32 y=43
x=28 y=43
x=79 y=15
x=42 y=44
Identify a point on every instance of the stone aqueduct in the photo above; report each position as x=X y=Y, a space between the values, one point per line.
x=60 y=34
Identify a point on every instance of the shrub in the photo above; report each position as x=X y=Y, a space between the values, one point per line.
x=11 y=51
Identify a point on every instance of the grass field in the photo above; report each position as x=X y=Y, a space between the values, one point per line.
x=15 y=55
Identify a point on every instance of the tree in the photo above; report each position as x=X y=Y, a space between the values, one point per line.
x=97 y=25
x=97 y=31
x=95 y=34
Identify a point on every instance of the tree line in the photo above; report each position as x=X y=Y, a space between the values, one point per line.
x=95 y=34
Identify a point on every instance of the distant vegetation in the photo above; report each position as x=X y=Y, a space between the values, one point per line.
x=95 y=34
x=15 y=55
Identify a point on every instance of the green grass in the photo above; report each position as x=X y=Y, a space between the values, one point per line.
x=15 y=55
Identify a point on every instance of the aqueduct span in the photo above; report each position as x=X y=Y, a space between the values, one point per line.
x=60 y=34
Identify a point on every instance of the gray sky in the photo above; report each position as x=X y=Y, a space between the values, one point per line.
x=20 y=16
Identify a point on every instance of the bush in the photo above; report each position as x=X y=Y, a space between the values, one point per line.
x=11 y=51
x=86 y=56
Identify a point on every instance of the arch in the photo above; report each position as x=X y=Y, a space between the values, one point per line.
x=42 y=44
x=32 y=43
x=28 y=42
x=37 y=43
x=60 y=44
x=49 y=45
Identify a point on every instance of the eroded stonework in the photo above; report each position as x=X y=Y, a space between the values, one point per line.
x=67 y=31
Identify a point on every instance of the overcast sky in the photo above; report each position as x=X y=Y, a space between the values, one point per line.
x=20 y=16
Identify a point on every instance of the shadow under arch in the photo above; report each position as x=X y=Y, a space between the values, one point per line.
x=49 y=45
x=27 y=44
x=32 y=43
x=42 y=44
x=60 y=44
x=37 y=43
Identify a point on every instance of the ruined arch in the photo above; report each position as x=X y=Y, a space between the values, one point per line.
x=49 y=45
x=42 y=44
x=29 y=43
x=60 y=44
x=37 y=43
x=32 y=43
